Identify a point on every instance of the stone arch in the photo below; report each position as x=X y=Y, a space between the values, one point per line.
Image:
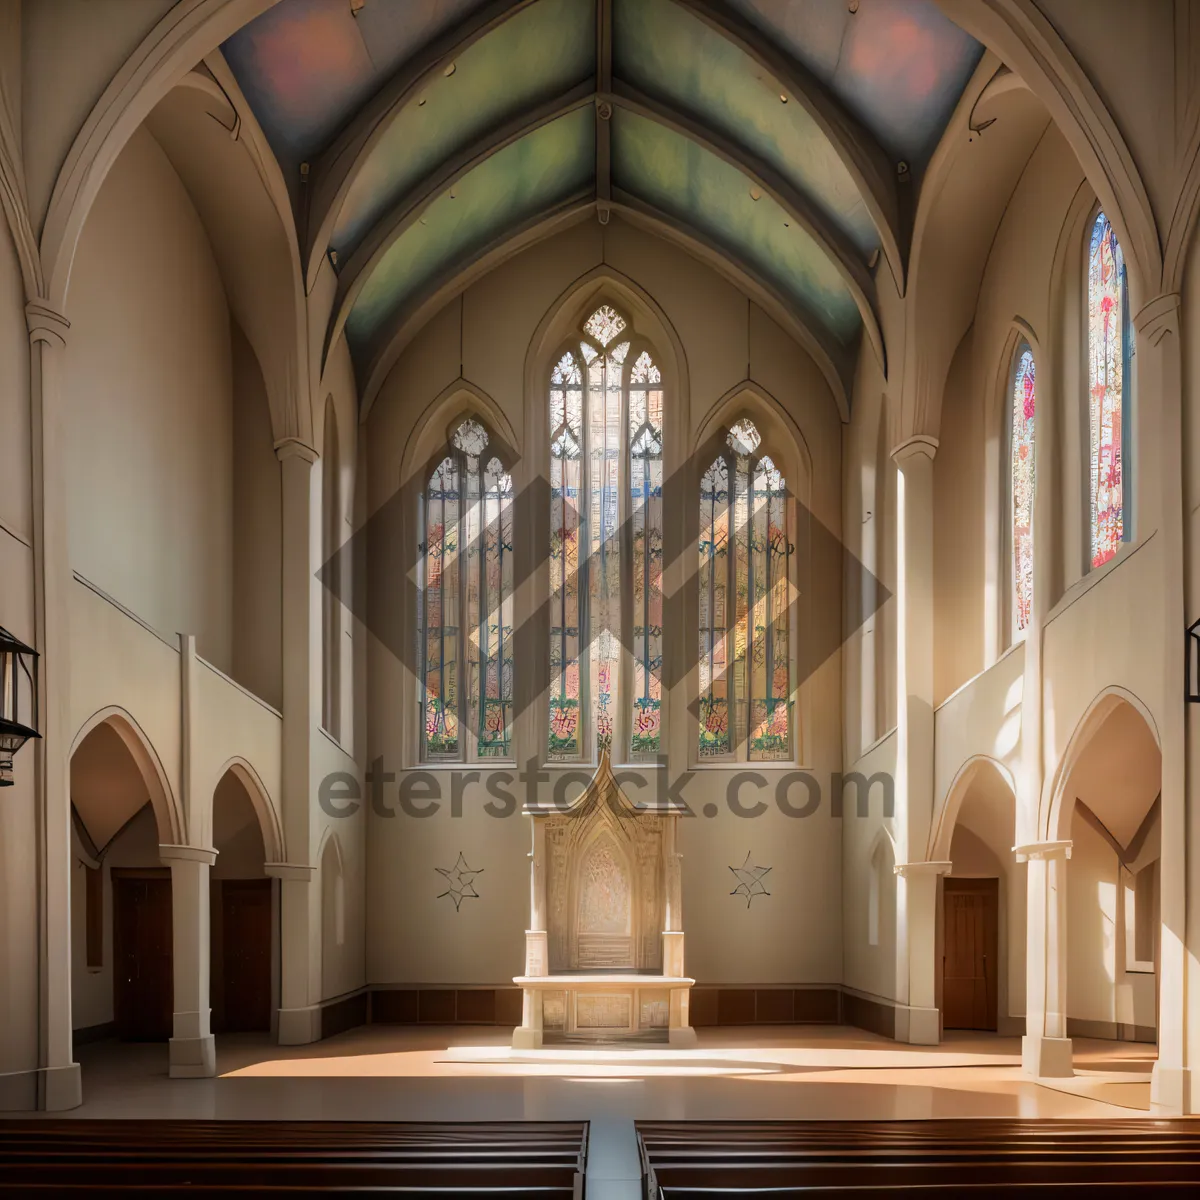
x=1025 y=40
x=430 y=431
x=172 y=829
x=332 y=871
x=269 y=822
x=943 y=829
x=880 y=854
x=780 y=428
x=650 y=320
x=162 y=67
x=1054 y=817
x=963 y=198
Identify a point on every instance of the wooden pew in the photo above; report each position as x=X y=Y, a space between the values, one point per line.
x=682 y=1160
x=227 y=1158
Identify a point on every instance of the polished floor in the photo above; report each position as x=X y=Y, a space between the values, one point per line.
x=470 y=1073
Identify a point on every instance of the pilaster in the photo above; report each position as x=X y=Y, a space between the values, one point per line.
x=192 y=1046
x=1160 y=375
x=299 y=903
x=1046 y=1048
x=916 y=892
x=58 y=1075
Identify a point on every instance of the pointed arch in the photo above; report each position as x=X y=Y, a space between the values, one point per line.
x=188 y=33
x=1055 y=810
x=754 y=528
x=172 y=829
x=942 y=833
x=1024 y=38
x=429 y=431
x=270 y=824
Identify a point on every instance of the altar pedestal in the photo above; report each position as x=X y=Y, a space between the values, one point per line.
x=604 y=951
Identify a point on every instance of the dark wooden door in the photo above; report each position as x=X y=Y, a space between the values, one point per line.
x=143 y=986
x=246 y=954
x=969 y=992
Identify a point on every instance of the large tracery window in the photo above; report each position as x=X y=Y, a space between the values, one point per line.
x=466 y=603
x=1107 y=373
x=1021 y=484
x=745 y=591
x=606 y=478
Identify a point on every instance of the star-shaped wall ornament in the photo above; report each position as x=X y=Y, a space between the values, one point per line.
x=461 y=881
x=750 y=880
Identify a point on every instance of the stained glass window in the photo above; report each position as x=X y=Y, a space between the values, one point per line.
x=1021 y=479
x=1108 y=361
x=606 y=439
x=646 y=484
x=466 y=603
x=745 y=594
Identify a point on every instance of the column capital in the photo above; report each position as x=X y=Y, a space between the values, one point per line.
x=46 y=324
x=291 y=447
x=297 y=872
x=1158 y=317
x=919 y=444
x=197 y=854
x=906 y=870
x=1043 y=850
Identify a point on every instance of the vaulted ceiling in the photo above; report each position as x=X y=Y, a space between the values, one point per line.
x=780 y=137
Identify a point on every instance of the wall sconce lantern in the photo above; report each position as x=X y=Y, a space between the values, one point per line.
x=1193 y=662
x=18 y=700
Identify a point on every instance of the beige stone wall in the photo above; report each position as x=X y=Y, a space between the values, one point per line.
x=149 y=406
x=795 y=934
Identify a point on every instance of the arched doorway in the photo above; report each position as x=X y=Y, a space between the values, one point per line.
x=243 y=914
x=1108 y=807
x=121 y=921
x=982 y=915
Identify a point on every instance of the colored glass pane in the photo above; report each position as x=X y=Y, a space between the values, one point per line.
x=443 y=500
x=645 y=513
x=566 y=498
x=1107 y=355
x=1021 y=480
x=745 y=653
x=714 y=600
x=467 y=588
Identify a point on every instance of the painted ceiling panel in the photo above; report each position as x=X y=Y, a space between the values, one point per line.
x=693 y=185
x=532 y=174
x=306 y=66
x=554 y=43
x=898 y=65
x=676 y=57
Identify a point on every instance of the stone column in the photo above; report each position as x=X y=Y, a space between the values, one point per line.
x=58 y=1075
x=680 y=1031
x=1160 y=380
x=918 y=1019
x=528 y=1036
x=300 y=949
x=1046 y=1048
x=192 y=1048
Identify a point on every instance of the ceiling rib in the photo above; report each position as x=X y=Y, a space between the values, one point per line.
x=359 y=266
x=411 y=317
x=603 y=106
x=336 y=167
x=869 y=165
x=834 y=244
x=835 y=361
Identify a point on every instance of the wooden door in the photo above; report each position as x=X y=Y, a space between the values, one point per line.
x=143 y=985
x=969 y=977
x=246 y=955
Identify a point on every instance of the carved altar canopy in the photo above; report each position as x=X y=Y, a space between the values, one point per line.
x=604 y=884
x=605 y=932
